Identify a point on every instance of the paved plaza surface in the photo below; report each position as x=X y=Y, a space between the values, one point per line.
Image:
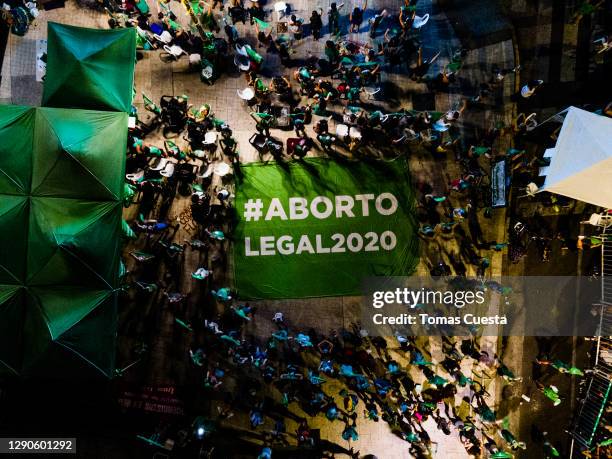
x=156 y=78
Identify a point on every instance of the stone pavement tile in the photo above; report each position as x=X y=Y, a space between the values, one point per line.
x=142 y=76
x=325 y=314
x=26 y=90
x=23 y=58
x=353 y=309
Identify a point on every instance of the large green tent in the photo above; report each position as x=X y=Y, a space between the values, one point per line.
x=61 y=179
x=89 y=68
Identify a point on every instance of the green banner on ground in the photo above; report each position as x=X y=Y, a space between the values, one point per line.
x=318 y=227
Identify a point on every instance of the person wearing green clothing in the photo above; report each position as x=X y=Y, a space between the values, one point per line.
x=208 y=21
x=173 y=150
x=486 y=413
x=200 y=274
x=550 y=392
x=585 y=9
x=228 y=143
x=152 y=150
x=590 y=242
x=550 y=451
x=200 y=114
x=253 y=55
x=333 y=17
x=319 y=108
x=129 y=191
x=326 y=141
x=127 y=231
x=331 y=52
x=575 y=371
x=563 y=367
x=142 y=7
x=479 y=151
x=506 y=373
x=437 y=381
x=223 y=294
x=512 y=441
x=261 y=89
x=150 y=105
x=231 y=340
x=196 y=7
x=264 y=122
x=410 y=437
x=301 y=149
x=464 y=380
x=197 y=357
x=141 y=41
x=499 y=246
x=352 y=94
x=169 y=21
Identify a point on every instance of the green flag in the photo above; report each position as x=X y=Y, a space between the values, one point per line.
x=502 y=455
x=261 y=24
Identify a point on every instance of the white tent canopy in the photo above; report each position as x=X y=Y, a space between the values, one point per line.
x=581 y=162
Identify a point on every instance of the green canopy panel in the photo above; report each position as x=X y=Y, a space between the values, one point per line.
x=12 y=312
x=89 y=68
x=15 y=169
x=14 y=214
x=61 y=190
x=69 y=342
x=68 y=236
x=79 y=158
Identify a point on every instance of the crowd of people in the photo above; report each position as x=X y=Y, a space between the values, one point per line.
x=304 y=368
x=345 y=375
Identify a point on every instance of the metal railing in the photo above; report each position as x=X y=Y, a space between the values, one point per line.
x=597 y=396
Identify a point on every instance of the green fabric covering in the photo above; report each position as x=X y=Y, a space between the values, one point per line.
x=61 y=187
x=89 y=68
x=324 y=272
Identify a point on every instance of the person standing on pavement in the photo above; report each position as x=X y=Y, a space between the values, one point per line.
x=316 y=24
x=375 y=23
x=333 y=17
x=296 y=26
x=356 y=18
